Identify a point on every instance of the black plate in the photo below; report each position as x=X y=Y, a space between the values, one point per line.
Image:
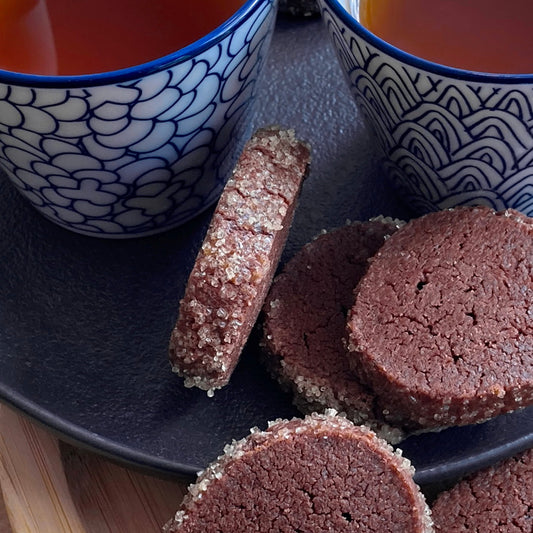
x=84 y=323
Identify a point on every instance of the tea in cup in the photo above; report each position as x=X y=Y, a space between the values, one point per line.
x=477 y=35
x=131 y=119
x=449 y=136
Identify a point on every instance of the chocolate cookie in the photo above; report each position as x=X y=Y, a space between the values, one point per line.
x=238 y=258
x=442 y=326
x=304 y=323
x=495 y=500
x=318 y=474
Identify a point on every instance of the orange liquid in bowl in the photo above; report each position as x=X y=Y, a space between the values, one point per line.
x=483 y=35
x=70 y=37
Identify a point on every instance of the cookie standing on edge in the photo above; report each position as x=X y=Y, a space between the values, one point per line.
x=305 y=323
x=318 y=474
x=238 y=258
x=442 y=325
x=498 y=499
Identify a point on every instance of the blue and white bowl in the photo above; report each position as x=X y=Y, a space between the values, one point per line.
x=450 y=137
x=139 y=150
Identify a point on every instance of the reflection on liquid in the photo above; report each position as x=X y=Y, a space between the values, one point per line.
x=26 y=40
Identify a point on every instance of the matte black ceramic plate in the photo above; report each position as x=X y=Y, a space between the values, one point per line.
x=84 y=323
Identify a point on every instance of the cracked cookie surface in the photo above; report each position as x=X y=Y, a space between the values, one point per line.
x=304 y=323
x=238 y=257
x=495 y=500
x=442 y=326
x=317 y=474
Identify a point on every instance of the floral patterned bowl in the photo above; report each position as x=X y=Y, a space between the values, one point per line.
x=139 y=150
x=450 y=137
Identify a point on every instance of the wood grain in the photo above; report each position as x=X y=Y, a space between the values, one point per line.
x=51 y=487
x=4 y=522
x=110 y=498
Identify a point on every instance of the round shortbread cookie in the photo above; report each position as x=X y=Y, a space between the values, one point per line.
x=442 y=327
x=498 y=499
x=304 y=323
x=318 y=474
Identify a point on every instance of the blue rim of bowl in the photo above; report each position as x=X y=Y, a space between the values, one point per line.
x=137 y=71
x=418 y=62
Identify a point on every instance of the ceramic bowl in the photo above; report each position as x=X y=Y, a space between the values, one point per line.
x=140 y=150
x=449 y=137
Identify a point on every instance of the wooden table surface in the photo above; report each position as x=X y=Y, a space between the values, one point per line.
x=51 y=487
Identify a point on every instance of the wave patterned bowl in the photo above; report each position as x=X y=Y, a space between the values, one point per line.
x=450 y=137
x=139 y=150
